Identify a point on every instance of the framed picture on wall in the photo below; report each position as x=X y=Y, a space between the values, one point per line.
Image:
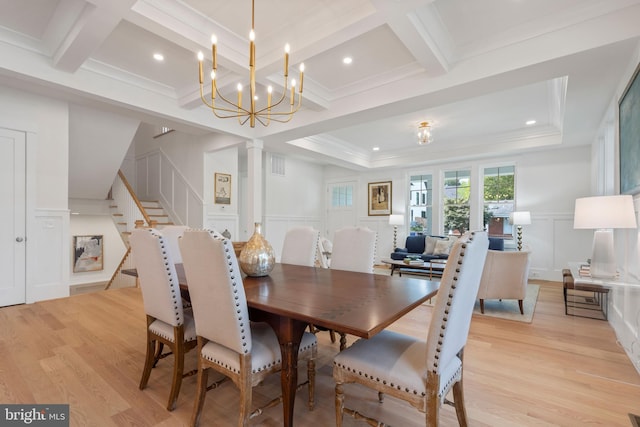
x=87 y=253
x=379 y=198
x=222 y=189
x=629 y=133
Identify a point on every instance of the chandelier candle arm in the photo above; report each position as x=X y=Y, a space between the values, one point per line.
x=235 y=110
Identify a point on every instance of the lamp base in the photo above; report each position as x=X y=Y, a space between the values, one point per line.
x=519 y=237
x=395 y=235
x=603 y=260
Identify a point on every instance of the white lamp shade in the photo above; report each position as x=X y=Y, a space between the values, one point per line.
x=604 y=212
x=520 y=218
x=396 y=219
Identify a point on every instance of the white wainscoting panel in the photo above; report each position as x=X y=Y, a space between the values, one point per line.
x=49 y=256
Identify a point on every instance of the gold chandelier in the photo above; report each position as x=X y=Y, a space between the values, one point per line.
x=424 y=134
x=264 y=115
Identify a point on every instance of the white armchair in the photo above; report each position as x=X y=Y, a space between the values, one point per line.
x=505 y=276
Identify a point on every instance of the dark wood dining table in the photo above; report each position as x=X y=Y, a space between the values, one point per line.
x=291 y=297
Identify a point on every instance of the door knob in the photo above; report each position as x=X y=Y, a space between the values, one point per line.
x=19 y=239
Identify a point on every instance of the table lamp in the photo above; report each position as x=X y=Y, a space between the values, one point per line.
x=395 y=220
x=604 y=213
x=519 y=219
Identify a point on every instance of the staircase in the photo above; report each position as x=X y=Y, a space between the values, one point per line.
x=156 y=213
x=157 y=219
x=129 y=212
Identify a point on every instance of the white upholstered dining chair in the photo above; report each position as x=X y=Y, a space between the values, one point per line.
x=167 y=322
x=412 y=369
x=300 y=246
x=228 y=342
x=354 y=249
x=171 y=234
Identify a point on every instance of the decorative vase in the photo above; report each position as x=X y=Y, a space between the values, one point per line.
x=257 y=257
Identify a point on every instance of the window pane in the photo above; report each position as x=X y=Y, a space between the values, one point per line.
x=499 y=189
x=420 y=201
x=342 y=196
x=457 y=189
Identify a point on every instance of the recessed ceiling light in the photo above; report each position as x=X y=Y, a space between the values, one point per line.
x=376 y=148
x=158 y=57
x=347 y=60
x=530 y=122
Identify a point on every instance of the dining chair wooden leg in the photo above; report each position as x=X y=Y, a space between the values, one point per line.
x=343 y=341
x=482 y=306
x=159 y=346
x=311 y=377
x=149 y=362
x=245 y=391
x=332 y=335
x=178 y=366
x=339 y=404
x=432 y=400
x=458 y=400
x=521 y=306
x=203 y=376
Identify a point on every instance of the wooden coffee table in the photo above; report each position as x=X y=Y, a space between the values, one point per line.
x=433 y=268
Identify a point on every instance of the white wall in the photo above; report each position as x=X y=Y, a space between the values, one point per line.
x=624 y=304
x=220 y=216
x=293 y=199
x=46 y=123
x=547 y=184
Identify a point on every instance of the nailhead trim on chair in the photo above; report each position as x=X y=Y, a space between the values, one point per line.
x=232 y=274
x=177 y=300
x=449 y=300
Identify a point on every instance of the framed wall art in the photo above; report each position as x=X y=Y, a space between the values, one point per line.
x=629 y=136
x=222 y=189
x=379 y=198
x=87 y=253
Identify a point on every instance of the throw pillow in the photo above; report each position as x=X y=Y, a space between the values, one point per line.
x=430 y=244
x=442 y=247
x=452 y=241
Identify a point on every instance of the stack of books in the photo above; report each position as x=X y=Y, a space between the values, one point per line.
x=413 y=261
x=585 y=270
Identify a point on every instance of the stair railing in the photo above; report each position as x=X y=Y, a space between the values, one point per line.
x=134 y=216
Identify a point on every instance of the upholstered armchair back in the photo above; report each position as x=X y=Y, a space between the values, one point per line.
x=505 y=275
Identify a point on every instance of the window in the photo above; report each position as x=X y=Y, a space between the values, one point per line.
x=499 y=196
x=457 y=189
x=342 y=196
x=421 y=203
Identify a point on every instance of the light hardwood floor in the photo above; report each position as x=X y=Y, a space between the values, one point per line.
x=88 y=351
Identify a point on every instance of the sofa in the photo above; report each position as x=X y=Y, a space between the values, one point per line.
x=434 y=247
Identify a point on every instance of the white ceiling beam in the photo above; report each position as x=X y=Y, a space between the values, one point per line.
x=93 y=24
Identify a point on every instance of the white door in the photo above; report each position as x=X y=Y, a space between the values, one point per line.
x=341 y=210
x=12 y=217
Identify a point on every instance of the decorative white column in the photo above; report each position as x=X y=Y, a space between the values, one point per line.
x=254 y=182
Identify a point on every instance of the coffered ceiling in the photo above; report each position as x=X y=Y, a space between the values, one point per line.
x=477 y=70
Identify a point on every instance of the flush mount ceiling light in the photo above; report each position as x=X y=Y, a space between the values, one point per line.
x=424 y=134
x=231 y=110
